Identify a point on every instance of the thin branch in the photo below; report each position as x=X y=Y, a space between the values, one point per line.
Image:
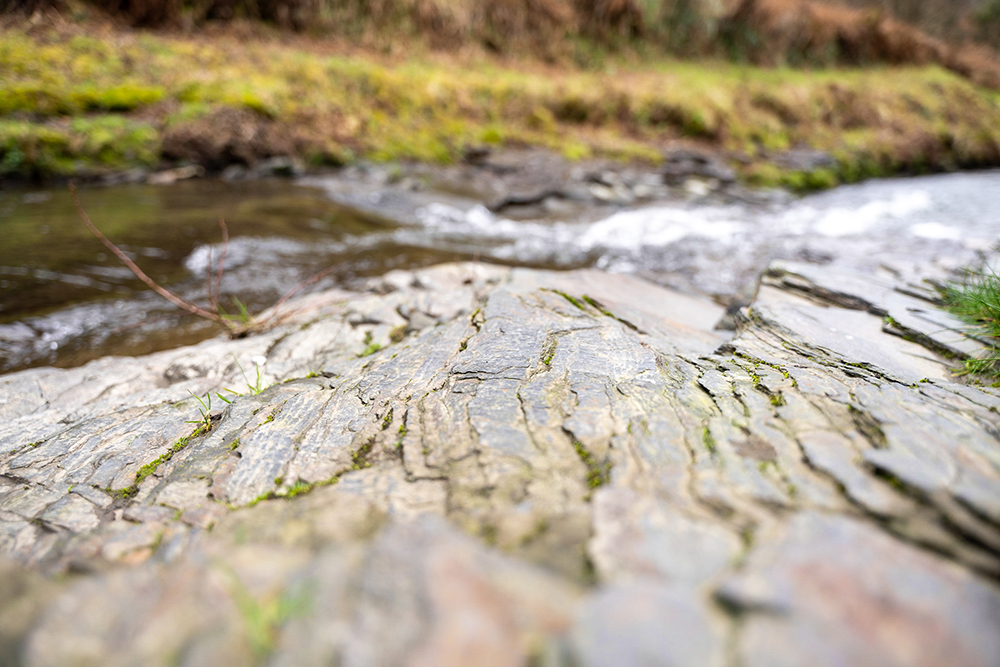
x=134 y=268
x=213 y=281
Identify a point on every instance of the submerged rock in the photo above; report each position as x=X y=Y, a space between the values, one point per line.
x=472 y=464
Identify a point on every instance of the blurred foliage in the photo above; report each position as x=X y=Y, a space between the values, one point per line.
x=80 y=147
x=987 y=23
x=681 y=27
x=75 y=104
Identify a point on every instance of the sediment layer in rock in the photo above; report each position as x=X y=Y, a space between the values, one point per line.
x=478 y=465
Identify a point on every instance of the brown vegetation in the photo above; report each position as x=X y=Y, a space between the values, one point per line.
x=797 y=32
x=240 y=136
x=957 y=21
x=765 y=32
x=81 y=99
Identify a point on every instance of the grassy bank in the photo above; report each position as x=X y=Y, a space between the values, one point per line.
x=72 y=104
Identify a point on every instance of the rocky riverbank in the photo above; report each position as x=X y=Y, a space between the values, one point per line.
x=471 y=464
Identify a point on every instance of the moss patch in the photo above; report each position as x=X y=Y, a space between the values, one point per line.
x=598 y=473
x=149 y=468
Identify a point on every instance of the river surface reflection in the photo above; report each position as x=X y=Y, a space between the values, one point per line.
x=64 y=300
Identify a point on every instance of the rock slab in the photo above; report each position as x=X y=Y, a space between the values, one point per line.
x=471 y=464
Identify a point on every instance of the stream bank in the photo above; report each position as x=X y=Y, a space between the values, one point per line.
x=81 y=101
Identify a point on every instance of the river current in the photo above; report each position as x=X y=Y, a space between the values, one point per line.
x=64 y=300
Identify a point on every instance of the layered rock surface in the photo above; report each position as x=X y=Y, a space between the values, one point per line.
x=475 y=465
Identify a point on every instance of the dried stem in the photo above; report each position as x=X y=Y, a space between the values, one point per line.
x=140 y=274
x=213 y=280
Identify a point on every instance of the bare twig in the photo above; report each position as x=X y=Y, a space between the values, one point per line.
x=213 y=282
x=140 y=274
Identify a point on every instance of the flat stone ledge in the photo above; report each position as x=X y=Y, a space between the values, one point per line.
x=471 y=464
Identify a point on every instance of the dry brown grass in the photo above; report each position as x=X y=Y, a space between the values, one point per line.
x=953 y=20
x=765 y=32
x=497 y=24
x=803 y=32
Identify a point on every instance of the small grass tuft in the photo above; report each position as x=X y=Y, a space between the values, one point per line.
x=976 y=301
x=573 y=300
x=359 y=457
x=371 y=347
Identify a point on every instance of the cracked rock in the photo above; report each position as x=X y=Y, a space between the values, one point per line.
x=534 y=468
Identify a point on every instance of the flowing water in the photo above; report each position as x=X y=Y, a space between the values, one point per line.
x=64 y=299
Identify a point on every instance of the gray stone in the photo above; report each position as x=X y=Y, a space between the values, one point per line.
x=536 y=468
x=804 y=159
x=73 y=513
x=835 y=591
x=681 y=164
x=646 y=623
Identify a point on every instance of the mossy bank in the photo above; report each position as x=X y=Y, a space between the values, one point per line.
x=73 y=105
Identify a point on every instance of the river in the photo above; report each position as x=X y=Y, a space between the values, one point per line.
x=65 y=300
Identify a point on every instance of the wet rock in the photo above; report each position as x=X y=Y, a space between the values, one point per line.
x=169 y=176
x=127 y=176
x=529 y=468
x=279 y=166
x=525 y=177
x=803 y=159
x=234 y=172
x=682 y=164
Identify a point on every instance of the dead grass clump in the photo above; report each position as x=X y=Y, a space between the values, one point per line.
x=604 y=18
x=977 y=63
x=803 y=32
x=221 y=138
x=241 y=136
x=539 y=23
x=774 y=32
x=850 y=109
